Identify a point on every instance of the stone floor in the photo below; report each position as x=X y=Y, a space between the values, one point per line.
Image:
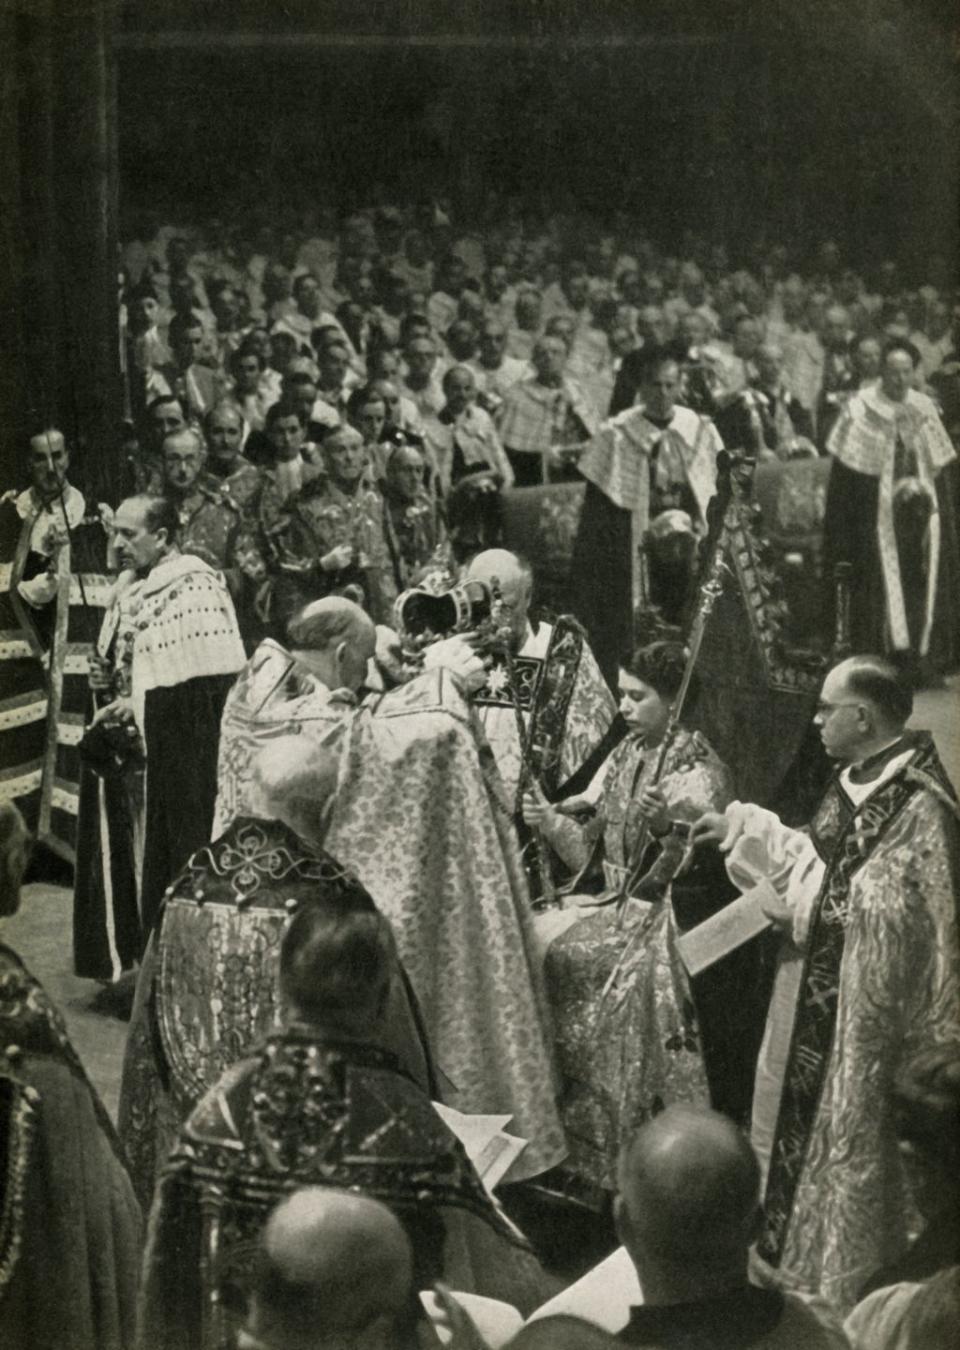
x=41 y=931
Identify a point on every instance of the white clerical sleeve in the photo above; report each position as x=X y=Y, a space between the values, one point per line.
x=759 y=847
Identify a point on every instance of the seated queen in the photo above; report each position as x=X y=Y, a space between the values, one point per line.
x=628 y=1032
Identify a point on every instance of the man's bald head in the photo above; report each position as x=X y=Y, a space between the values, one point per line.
x=562 y=1332
x=864 y=705
x=879 y=683
x=514 y=578
x=331 y=1263
x=335 y=639
x=689 y=1191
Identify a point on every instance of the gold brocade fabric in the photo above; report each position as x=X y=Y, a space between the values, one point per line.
x=898 y=992
x=421 y=818
x=627 y=1040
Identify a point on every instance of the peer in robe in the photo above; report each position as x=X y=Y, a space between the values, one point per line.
x=185 y=652
x=654 y=457
x=52 y=592
x=545 y=419
x=412 y=524
x=892 y=515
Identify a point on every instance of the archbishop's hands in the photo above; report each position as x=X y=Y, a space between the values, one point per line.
x=457 y=654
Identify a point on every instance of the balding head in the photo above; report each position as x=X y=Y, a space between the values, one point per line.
x=689 y=1191
x=864 y=705
x=514 y=578
x=332 y=1264
x=562 y=1332
x=334 y=638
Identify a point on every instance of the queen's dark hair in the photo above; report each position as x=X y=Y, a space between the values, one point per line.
x=661 y=665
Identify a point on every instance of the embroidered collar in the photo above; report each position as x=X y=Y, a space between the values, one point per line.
x=870 y=769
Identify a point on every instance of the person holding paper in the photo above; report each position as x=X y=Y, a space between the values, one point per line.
x=319 y=1102
x=627 y=1033
x=868 y=977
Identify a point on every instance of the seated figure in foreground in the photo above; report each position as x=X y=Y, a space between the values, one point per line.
x=69 y=1222
x=687 y=1211
x=320 y=1102
x=333 y=1265
x=628 y=1039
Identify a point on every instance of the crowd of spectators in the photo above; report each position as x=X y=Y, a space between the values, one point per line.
x=341 y=379
x=307 y=409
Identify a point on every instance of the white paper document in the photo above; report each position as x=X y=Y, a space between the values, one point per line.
x=724 y=931
x=488 y=1146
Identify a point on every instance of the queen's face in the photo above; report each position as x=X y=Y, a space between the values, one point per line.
x=642 y=708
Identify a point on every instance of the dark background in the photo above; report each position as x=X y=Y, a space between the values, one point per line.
x=784 y=120
x=753 y=119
